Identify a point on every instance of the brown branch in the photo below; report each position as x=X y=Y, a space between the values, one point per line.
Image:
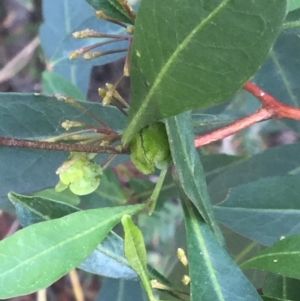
x=34 y=144
x=271 y=108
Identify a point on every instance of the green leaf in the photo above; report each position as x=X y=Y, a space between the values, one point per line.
x=275 y=201
x=277 y=161
x=109 y=193
x=36 y=209
x=197 y=54
x=38 y=255
x=110 y=189
x=203 y=123
x=281 y=287
x=214 y=275
x=135 y=252
x=107 y=260
x=35 y=116
x=293 y=4
x=112 y=8
x=54 y=83
x=65 y=196
x=189 y=167
x=135 y=249
x=213 y=164
x=27 y=170
x=121 y=290
x=266 y=298
x=281 y=258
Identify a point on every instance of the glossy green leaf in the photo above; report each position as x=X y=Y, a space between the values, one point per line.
x=135 y=249
x=214 y=275
x=277 y=161
x=38 y=255
x=107 y=259
x=112 y=8
x=135 y=252
x=275 y=201
x=189 y=167
x=121 y=290
x=281 y=258
x=196 y=58
x=54 y=83
x=281 y=287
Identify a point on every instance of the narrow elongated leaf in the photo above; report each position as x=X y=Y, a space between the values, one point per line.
x=281 y=287
x=189 y=167
x=194 y=54
x=107 y=259
x=214 y=275
x=263 y=210
x=281 y=258
x=135 y=251
x=38 y=255
x=112 y=8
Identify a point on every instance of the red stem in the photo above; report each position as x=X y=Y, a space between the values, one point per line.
x=261 y=114
x=271 y=107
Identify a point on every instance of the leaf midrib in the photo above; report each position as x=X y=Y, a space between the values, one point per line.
x=56 y=246
x=167 y=65
x=207 y=259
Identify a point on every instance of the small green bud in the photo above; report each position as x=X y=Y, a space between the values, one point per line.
x=150 y=149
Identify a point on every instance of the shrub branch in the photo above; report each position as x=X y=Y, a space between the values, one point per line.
x=271 y=108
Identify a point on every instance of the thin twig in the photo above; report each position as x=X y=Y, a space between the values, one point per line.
x=13 y=228
x=42 y=295
x=271 y=108
x=34 y=144
x=233 y=128
x=77 y=289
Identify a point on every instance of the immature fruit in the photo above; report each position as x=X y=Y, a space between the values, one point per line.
x=150 y=149
x=82 y=176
